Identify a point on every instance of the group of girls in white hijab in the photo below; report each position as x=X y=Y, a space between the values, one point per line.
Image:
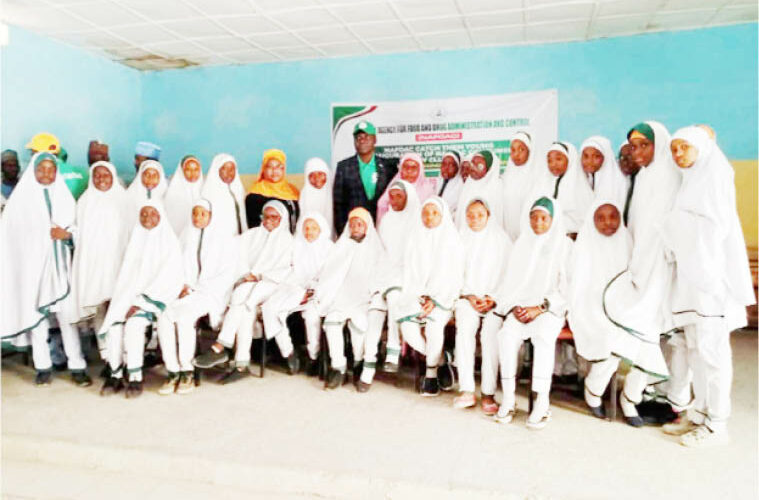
x=512 y=255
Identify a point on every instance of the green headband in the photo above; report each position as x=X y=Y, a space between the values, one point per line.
x=645 y=129
x=544 y=204
x=45 y=156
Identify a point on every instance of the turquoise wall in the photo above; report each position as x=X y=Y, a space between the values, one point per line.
x=605 y=86
x=48 y=86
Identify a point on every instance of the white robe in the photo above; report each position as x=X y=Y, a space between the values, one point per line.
x=452 y=188
x=609 y=183
x=180 y=197
x=488 y=187
x=228 y=200
x=317 y=200
x=104 y=221
x=516 y=184
x=394 y=231
x=139 y=194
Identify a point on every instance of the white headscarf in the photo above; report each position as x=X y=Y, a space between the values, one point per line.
x=309 y=257
x=151 y=275
x=537 y=265
x=267 y=253
x=704 y=233
x=454 y=186
x=318 y=200
x=208 y=257
x=350 y=297
x=488 y=187
x=228 y=200
x=516 y=184
x=34 y=269
x=574 y=193
x=609 y=183
x=434 y=261
x=486 y=253
x=596 y=259
x=424 y=187
x=104 y=221
x=181 y=195
x=638 y=300
x=137 y=191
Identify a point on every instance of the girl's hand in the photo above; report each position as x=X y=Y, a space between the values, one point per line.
x=185 y=292
x=58 y=233
x=427 y=307
x=131 y=312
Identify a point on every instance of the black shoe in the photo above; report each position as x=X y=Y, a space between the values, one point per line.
x=445 y=373
x=151 y=359
x=656 y=413
x=211 y=359
x=363 y=386
x=112 y=386
x=334 y=379
x=60 y=367
x=233 y=375
x=106 y=371
x=134 y=389
x=43 y=378
x=81 y=379
x=357 y=369
x=635 y=421
x=293 y=363
x=598 y=411
x=312 y=367
x=430 y=387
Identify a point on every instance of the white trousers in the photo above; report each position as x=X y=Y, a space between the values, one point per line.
x=542 y=331
x=467 y=322
x=333 y=329
x=275 y=310
x=238 y=322
x=130 y=338
x=176 y=332
x=71 y=345
x=431 y=344
x=393 y=344
x=600 y=375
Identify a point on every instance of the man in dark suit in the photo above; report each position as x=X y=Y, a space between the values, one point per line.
x=362 y=178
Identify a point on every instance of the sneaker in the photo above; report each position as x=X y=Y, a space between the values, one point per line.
x=169 y=385
x=505 y=415
x=334 y=378
x=60 y=367
x=151 y=359
x=363 y=386
x=211 y=359
x=233 y=375
x=186 y=383
x=445 y=374
x=105 y=373
x=43 y=378
x=536 y=422
x=81 y=379
x=134 y=389
x=111 y=386
x=681 y=425
x=703 y=437
x=357 y=369
x=293 y=363
x=464 y=400
x=390 y=366
x=430 y=387
x=488 y=405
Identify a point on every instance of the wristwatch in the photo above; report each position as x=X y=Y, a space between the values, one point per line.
x=544 y=306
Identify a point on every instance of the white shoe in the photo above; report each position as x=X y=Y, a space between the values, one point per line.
x=680 y=426
x=537 y=421
x=703 y=437
x=505 y=414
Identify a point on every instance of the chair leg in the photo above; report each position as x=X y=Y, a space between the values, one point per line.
x=613 y=397
x=531 y=352
x=417 y=371
x=196 y=376
x=263 y=356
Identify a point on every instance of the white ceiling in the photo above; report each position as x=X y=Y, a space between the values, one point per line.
x=157 y=34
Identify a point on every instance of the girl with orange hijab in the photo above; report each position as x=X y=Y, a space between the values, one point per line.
x=272 y=185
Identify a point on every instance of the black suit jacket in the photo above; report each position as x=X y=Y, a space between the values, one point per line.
x=348 y=192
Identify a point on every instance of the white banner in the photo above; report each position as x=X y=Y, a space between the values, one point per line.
x=432 y=127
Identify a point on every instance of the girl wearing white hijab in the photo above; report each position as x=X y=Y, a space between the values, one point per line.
x=449 y=189
x=183 y=191
x=517 y=182
x=312 y=246
x=265 y=257
x=208 y=259
x=712 y=286
x=149 y=184
x=393 y=231
x=151 y=277
x=601 y=252
x=103 y=223
x=638 y=299
x=562 y=178
x=533 y=301
x=486 y=252
x=316 y=195
x=35 y=242
x=344 y=290
x=483 y=181
x=433 y=273
x=224 y=189
x=599 y=163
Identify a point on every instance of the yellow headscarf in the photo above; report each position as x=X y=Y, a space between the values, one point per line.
x=281 y=190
